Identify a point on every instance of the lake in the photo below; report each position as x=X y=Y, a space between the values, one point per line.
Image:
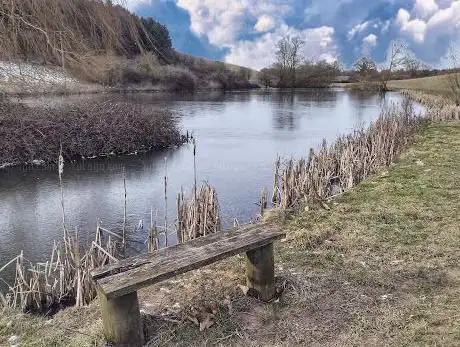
x=239 y=135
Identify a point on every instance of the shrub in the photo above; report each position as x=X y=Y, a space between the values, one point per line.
x=94 y=129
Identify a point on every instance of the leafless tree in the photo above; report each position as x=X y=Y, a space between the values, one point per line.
x=365 y=66
x=288 y=59
x=453 y=78
x=396 y=58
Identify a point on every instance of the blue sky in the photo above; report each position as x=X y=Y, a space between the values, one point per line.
x=245 y=32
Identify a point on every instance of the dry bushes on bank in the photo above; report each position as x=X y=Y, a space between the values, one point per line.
x=438 y=108
x=101 y=128
x=146 y=70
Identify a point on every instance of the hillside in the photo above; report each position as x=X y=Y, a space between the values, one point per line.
x=435 y=84
x=89 y=45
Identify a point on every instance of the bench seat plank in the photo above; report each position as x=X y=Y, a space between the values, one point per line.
x=134 y=273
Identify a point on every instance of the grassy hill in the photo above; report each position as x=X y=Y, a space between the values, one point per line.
x=435 y=84
x=97 y=43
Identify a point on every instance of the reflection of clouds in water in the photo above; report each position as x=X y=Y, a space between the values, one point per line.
x=238 y=134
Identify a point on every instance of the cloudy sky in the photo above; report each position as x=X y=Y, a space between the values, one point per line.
x=245 y=32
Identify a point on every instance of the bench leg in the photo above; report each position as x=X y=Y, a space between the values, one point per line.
x=260 y=272
x=122 y=320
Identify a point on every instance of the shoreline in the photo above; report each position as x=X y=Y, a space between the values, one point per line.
x=323 y=251
x=331 y=258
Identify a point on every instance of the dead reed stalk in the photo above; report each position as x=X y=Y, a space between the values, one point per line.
x=199 y=216
x=331 y=170
x=438 y=108
x=64 y=280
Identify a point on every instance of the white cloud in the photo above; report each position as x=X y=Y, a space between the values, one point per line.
x=385 y=26
x=132 y=4
x=415 y=28
x=265 y=23
x=430 y=22
x=222 y=21
x=357 y=29
x=445 y=21
x=370 y=40
x=260 y=53
x=425 y=8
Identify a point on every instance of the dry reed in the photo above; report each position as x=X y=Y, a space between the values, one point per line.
x=199 y=216
x=334 y=169
x=62 y=281
x=438 y=108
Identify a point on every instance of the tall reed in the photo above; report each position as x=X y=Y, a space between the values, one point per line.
x=61 y=281
x=333 y=169
x=198 y=216
x=438 y=108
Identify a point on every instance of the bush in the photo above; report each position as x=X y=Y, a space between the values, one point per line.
x=94 y=129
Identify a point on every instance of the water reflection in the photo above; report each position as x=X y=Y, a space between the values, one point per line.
x=239 y=135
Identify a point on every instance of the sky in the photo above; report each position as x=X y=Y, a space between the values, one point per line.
x=245 y=32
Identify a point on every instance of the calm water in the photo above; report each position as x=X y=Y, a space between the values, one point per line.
x=239 y=136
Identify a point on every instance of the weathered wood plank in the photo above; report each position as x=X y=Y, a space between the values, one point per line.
x=134 y=273
x=133 y=262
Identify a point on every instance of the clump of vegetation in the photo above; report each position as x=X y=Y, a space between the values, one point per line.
x=101 y=128
x=199 y=216
x=62 y=281
x=341 y=166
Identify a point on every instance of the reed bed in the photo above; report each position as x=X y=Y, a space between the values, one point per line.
x=101 y=128
x=334 y=169
x=198 y=216
x=62 y=281
x=438 y=108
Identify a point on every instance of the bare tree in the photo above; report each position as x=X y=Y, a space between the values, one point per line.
x=364 y=66
x=453 y=78
x=396 y=56
x=288 y=59
x=264 y=78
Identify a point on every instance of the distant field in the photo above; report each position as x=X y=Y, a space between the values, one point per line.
x=434 y=84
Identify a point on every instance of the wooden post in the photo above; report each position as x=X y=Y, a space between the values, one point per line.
x=122 y=320
x=260 y=272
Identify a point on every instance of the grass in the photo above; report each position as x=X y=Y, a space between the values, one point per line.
x=379 y=268
x=435 y=84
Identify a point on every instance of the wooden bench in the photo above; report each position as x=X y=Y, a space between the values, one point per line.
x=117 y=284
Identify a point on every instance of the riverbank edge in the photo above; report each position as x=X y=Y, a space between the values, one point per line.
x=310 y=231
x=310 y=259
x=306 y=234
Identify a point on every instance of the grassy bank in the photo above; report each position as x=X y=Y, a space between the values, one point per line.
x=379 y=267
x=440 y=85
